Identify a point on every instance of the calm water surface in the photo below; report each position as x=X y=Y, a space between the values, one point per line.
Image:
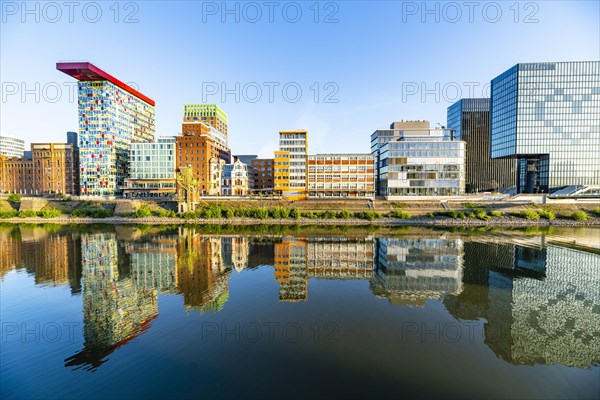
x=271 y=312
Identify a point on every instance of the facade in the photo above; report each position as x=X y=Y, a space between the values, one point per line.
x=111 y=116
x=262 y=171
x=382 y=136
x=470 y=118
x=245 y=158
x=422 y=163
x=152 y=169
x=341 y=175
x=16 y=175
x=11 y=146
x=546 y=116
x=210 y=114
x=295 y=143
x=203 y=147
x=53 y=168
x=281 y=172
x=234 y=179
x=73 y=140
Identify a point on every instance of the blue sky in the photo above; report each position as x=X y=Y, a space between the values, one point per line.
x=372 y=62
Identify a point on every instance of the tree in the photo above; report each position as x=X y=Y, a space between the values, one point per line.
x=187 y=184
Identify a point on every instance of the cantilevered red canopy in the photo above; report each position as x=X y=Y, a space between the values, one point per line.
x=85 y=71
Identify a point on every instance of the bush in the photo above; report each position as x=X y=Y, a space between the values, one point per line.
x=27 y=214
x=260 y=213
x=369 y=215
x=162 y=213
x=14 y=198
x=309 y=215
x=229 y=213
x=294 y=213
x=461 y=215
x=50 y=213
x=596 y=211
x=471 y=205
x=142 y=211
x=329 y=215
x=496 y=213
x=547 y=214
x=482 y=215
x=579 y=216
x=8 y=214
x=531 y=215
x=188 y=215
x=345 y=214
x=400 y=214
x=94 y=212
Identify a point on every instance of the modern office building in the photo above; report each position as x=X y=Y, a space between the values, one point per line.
x=112 y=115
x=73 y=140
x=470 y=119
x=382 y=136
x=547 y=117
x=296 y=144
x=11 y=146
x=202 y=147
x=53 y=168
x=152 y=169
x=423 y=162
x=281 y=172
x=262 y=171
x=291 y=270
x=234 y=179
x=341 y=175
x=210 y=114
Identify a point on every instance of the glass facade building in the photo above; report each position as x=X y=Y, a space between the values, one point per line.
x=152 y=169
x=422 y=163
x=11 y=146
x=547 y=117
x=470 y=119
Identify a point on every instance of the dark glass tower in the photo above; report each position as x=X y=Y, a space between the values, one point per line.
x=470 y=118
x=547 y=116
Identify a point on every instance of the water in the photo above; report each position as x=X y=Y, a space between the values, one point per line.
x=272 y=312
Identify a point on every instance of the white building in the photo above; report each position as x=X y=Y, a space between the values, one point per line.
x=11 y=146
x=234 y=179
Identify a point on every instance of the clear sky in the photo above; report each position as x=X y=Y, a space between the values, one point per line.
x=359 y=65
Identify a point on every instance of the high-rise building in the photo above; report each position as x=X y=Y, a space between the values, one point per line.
x=341 y=175
x=11 y=146
x=203 y=148
x=210 y=114
x=470 y=118
x=424 y=162
x=152 y=169
x=262 y=171
x=547 y=117
x=281 y=172
x=295 y=143
x=73 y=139
x=112 y=115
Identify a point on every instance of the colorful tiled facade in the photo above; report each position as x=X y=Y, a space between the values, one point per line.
x=112 y=115
x=210 y=114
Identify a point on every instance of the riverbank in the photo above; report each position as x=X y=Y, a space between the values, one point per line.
x=384 y=221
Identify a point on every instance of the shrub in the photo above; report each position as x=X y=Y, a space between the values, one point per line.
x=229 y=213
x=471 y=205
x=596 y=211
x=212 y=211
x=14 y=198
x=344 y=214
x=531 y=215
x=162 y=213
x=27 y=214
x=294 y=213
x=369 y=215
x=49 y=213
x=142 y=211
x=260 y=213
x=547 y=214
x=285 y=212
x=329 y=215
x=400 y=214
x=188 y=215
x=482 y=215
x=470 y=215
x=461 y=215
x=496 y=213
x=8 y=214
x=431 y=215
x=94 y=212
x=579 y=216
x=309 y=215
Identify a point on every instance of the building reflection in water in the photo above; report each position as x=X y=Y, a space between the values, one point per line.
x=540 y=302
x=114 y=310
x=411 y=271
x=541 y=305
